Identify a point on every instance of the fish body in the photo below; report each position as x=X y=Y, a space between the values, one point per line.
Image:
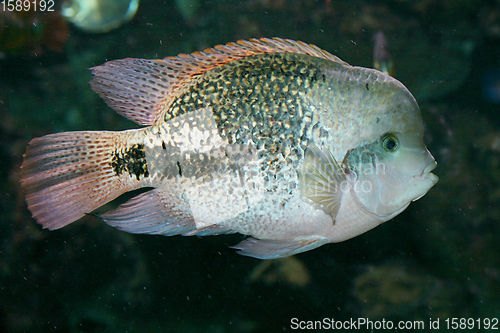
x=270 y=138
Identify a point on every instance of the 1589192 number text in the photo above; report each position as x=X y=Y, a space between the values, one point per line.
x=27 y=5
x=471 y=323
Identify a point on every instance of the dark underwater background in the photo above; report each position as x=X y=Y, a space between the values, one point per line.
x=439 y=259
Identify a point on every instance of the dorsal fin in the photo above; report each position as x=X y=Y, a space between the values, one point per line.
x=141 y=89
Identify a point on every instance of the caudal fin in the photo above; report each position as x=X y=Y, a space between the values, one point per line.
x=66 y=175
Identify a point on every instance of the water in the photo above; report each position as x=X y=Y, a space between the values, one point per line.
x=437 y=260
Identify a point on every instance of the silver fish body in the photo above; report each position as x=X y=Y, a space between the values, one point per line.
x=270 y=138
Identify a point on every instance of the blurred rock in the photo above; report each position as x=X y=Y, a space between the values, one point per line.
x=399 y=291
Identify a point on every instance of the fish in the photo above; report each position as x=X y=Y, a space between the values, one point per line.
x=98 y=16
x=382 y=59
x=271 y=138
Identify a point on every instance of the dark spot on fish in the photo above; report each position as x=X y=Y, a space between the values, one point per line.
x=132 y=160
x=163 y=145
x=367 y=87
x=378 y=119
x=179 y=168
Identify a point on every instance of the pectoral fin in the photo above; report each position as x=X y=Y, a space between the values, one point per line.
x=272 y=249
x=321 y=178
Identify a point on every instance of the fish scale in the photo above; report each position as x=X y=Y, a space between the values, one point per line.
x=255 y=113
x=271 y=138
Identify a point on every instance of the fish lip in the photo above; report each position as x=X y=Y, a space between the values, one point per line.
x=431 y=166
x=426 y=174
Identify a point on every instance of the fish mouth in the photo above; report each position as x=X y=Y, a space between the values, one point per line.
x=426 y=174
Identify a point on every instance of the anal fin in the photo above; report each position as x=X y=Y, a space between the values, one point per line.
x=272 y=249
x=158 y=213
x=211 y=230
x=153 y=212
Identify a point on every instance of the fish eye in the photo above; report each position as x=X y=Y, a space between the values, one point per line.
x=390 y=143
